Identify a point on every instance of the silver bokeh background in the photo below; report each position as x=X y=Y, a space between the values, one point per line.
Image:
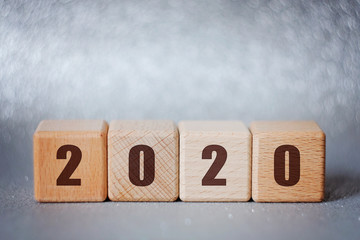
x=246 y=60
x=242 y=60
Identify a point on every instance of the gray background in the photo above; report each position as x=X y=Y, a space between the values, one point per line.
x=246 y=60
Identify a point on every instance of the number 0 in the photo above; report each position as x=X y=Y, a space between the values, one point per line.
x=294 y=165
x=134 y=165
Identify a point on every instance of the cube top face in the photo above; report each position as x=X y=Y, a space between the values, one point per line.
x=70 y=161
x=285 y=127
x=99 y=126
x=215 y=161
x=216 y=127
x=288 y=162
x=143 y=161
x=156 y=126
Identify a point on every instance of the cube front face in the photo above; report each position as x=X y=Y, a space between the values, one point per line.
x=288 y=166
x=215 y=165
x=143 y=161
x=70 y=166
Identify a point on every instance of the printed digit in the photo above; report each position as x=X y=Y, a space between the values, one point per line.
x=64 y=177
x=134 y=165
x=221 y=155
x=294 y=165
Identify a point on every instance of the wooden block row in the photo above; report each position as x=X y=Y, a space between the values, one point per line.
x=86 y=160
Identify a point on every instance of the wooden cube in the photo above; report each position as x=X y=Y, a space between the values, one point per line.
x=215 y=161
x=143 y=161
x=70 y=161
x=288 y=162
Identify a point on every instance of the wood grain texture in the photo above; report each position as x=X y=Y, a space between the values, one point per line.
x=309 y=139
x=231 y=135
x=90 y=136
x=162 y=137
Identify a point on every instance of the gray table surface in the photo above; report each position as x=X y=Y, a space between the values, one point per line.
x=244 y=60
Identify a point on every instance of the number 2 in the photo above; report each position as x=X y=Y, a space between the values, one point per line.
x=64 y=177
x=221 y=155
